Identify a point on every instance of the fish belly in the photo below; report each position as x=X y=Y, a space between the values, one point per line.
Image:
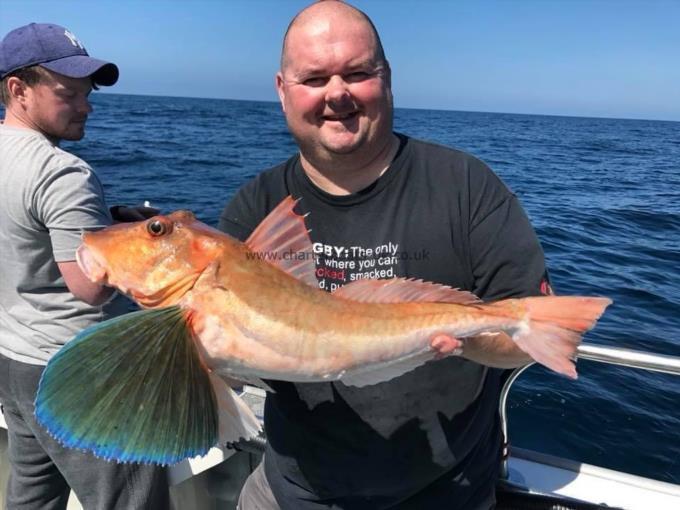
x=320 y=341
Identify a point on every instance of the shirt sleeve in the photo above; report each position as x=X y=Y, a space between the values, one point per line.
x=506 y=256
x=68 y=202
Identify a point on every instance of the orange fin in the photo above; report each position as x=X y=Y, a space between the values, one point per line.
x=554 y=326
x=282 y=239
x=403 y=290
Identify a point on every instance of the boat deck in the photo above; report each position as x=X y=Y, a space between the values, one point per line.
x=536 y=481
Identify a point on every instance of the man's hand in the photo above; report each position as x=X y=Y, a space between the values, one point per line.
x=80 y=285
x=491 y=349
x=446 y=345
x=125 y=214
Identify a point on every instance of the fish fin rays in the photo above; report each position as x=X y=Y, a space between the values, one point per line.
x=402 y=290
x=551 y=346
x=131 y=389
x=554 y=327
x=282 y=239
x=253 y=381
x=236 y=419
x=387 y=370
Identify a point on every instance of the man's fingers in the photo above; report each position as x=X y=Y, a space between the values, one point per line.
x=446 y=345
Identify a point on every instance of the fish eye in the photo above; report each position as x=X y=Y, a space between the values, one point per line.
x=158 y=228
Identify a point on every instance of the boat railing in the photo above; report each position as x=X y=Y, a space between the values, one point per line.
x=601 y=354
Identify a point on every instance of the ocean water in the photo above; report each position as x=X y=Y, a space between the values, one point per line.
x=603 y=195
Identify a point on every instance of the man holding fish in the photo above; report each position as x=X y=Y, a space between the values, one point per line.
x=368 y=406
x=429 y=439
x=47 y=198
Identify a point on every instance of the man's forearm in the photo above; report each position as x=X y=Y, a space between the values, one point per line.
x=494 y=350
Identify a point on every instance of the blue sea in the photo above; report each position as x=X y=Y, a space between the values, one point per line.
x=603 y=195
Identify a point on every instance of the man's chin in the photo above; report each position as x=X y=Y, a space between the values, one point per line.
x=341 y=147
x=72 y=132
x=73 y=136
x=342 y=151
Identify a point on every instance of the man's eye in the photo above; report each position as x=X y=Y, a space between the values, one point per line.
x=317 y=81
x=357 y=76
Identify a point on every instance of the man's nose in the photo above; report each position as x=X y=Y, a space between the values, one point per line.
x=337 y=90
x=85 y=106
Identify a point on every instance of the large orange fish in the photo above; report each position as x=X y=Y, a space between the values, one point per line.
x=145 y=387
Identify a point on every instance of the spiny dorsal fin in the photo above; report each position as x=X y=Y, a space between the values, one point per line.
x=282 y=239
x=131 y=389
x=403 y=290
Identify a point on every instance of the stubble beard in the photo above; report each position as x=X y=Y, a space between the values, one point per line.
x=72 y=132
x=74 y=138
x=70 y=135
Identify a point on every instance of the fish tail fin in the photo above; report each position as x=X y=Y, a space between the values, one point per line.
x=131 y=389
x=553 y=326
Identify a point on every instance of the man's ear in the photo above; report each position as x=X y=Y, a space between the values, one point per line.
x=17 y=89
x=280 y=90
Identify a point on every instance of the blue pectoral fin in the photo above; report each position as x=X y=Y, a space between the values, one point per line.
x=131 y=389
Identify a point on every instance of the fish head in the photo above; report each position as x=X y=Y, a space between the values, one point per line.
x=155 y=261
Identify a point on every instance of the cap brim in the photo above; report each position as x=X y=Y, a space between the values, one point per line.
x=82 y=66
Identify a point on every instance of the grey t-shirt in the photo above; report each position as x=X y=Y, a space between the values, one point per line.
x=48 y=197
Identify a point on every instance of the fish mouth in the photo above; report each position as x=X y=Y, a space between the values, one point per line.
x=88 y=263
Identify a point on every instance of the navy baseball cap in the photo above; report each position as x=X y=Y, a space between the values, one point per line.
x=54 y=48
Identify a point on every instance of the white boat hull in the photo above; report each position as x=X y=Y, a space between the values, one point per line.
x=545 y=474
x=213 y=481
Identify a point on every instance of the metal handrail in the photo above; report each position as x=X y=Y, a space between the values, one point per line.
x=630 y=358
x=612 y=355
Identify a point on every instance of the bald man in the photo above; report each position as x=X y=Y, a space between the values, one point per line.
x=384 y=205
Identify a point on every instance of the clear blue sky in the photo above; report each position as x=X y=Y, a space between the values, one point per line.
x=609 y=58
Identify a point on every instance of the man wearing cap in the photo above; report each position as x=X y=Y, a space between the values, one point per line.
x=48 y=197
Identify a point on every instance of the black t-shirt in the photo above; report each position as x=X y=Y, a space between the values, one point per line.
x=429 y=438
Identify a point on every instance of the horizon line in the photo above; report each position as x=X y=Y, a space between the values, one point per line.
x=404 y=108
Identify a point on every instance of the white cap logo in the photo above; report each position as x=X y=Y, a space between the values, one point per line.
x=74 y=40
